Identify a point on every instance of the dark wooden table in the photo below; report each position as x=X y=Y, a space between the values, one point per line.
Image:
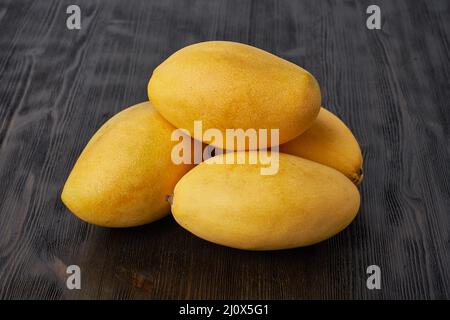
x=392 y=87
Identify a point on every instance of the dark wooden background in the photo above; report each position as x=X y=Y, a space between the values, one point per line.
x=391 y=86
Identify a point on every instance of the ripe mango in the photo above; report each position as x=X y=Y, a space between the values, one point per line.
x=330 y=142
x=229 y=85
x=124 y=173
x=234 y=205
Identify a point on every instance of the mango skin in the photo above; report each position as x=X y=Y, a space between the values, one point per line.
x=124 y=173
x=230 y=85
x=330 y=142
x=235 y=206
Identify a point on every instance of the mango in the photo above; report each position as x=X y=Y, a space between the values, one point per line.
x=125 y=172
x=229 y=85
x=330 y=142
x=235 y=206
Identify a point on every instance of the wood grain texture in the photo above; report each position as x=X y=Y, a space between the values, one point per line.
x=391 y=86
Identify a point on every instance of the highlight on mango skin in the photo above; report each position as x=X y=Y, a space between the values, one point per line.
x=235 y=143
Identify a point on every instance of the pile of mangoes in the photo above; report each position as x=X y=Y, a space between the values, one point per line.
x=126 y=177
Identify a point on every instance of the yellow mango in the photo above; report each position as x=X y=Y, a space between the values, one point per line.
x=124 y=173
x=330 y=142
x=234 y=205
x=229 y=85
